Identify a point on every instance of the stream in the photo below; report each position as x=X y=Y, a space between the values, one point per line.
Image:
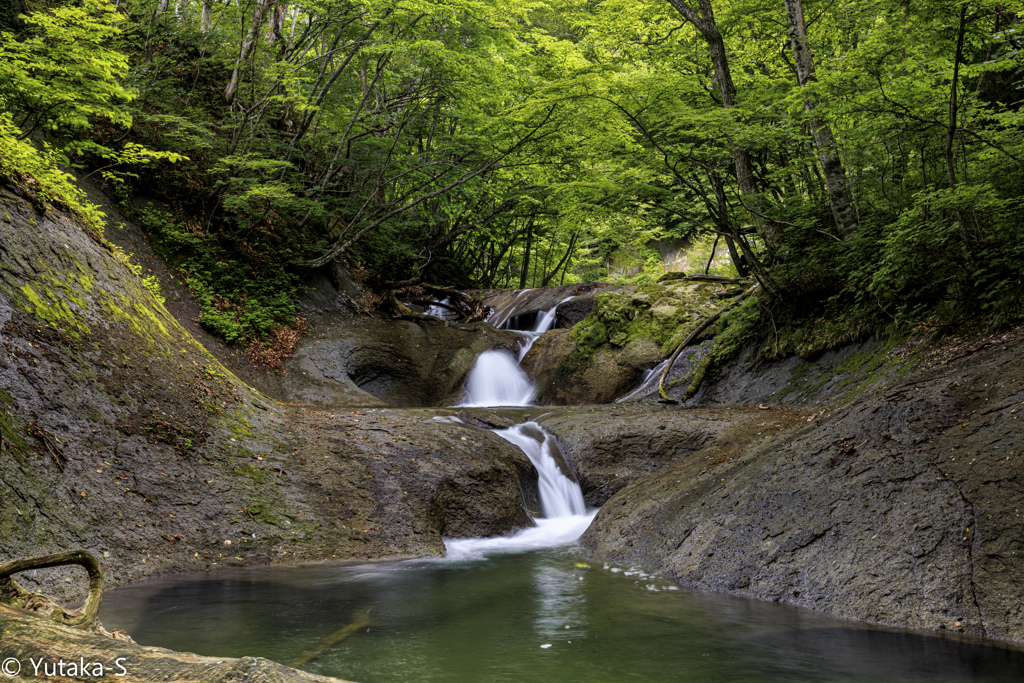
x=525 y=607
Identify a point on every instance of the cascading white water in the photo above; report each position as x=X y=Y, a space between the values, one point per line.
x=648 y=384
x=545 y=320
x=497 y=380
x=559 y=495
x=439 y=311
x=561 y=499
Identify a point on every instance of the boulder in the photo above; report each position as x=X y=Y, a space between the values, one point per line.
x=601 y=379
x=374 y=360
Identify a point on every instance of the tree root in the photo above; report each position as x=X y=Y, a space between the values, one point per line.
x=83 y=618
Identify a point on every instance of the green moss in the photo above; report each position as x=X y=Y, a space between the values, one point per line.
x=53 y=310
x=665 y=314
x=251 y=472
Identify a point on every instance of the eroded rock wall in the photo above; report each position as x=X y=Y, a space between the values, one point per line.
x=903 y=506
x=123 y=436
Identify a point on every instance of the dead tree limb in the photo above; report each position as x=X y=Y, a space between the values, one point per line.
x=690 y=338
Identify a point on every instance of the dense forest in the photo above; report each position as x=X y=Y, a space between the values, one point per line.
x=861 y=160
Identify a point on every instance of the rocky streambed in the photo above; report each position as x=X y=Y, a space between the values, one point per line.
x=875 y=483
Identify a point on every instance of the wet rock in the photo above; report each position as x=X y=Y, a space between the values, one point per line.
x=601 y=379
x=900 y=507
x=609 y=447
x=373 y=360
x=573 y=311
x=509 y=303
x=77 y=653
x=125 y=437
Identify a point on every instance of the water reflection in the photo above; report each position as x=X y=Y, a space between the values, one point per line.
x=486 y=620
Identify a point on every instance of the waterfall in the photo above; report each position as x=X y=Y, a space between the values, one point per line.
x=439 y=311
x=559 y=495
x=648 y=384
x=545 y=319
x=496 y=378
x=565 y=513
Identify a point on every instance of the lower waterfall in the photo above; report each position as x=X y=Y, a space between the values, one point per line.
x=565 y=514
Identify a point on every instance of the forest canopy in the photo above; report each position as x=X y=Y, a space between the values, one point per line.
x=861 y=160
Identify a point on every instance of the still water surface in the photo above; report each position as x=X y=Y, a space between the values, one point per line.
x=544 y=615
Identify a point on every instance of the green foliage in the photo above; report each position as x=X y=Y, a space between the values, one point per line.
x=41 y=96
x=478 y=143
x=960 y=247
x=236 y=302
x=21 y=163
x=35 y=78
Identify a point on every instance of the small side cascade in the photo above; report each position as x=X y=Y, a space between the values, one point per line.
x=648 y=383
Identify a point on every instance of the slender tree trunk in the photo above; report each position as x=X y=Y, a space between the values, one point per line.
x=953 y=103
x=207 y=17
x=563 y=261
x=526 y=256
x=828 y=152
x=277 y=16
x=248 y=44
x=703 y=19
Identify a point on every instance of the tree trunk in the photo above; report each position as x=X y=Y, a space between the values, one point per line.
x=277 y=15
x=526 y=256
x=703 y=19
x=953 y=104
x=248 y=44
x=835 y=175
x=207 y=17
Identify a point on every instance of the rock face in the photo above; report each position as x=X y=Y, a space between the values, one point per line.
x=604 y=356
x=28 y=638
x=123 y=436
x=901 y=507
x=363 y=360
x=610 y=447
x=601 y=379
x=509 y=303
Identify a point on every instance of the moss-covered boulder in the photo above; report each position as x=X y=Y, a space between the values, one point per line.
x=604 y=356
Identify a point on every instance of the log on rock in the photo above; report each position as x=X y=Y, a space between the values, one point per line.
x=27 y=640
x=677 y=276
x=465 y=307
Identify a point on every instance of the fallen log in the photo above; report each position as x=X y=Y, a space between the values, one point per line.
x=690 y=338
x=35 y=649
x=42 y=640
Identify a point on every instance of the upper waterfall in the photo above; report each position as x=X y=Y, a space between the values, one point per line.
x=496 y=378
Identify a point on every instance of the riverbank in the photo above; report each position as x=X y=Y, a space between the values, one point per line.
x=871 y=483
